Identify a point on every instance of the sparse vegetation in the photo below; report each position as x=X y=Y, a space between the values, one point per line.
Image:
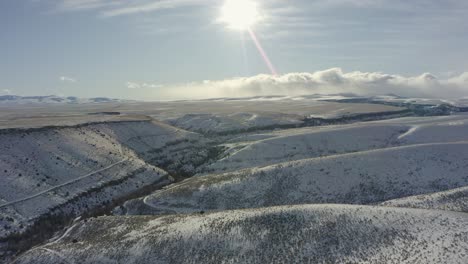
x=122 y=168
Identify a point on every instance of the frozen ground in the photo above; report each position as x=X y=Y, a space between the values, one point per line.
x=288 y=234
x=295 y=144
x=451 y=200
x=70 y=170
x=263 y=149
x=277 y=158
x=357 y=178
x=221 y=115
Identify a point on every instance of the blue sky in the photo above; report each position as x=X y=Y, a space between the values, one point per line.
x=147 y=49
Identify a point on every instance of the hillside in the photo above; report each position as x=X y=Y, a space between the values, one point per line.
x=71 y=163
x=355 y=178
x=289 y=234
x=452 y=200
x=294 y=144
x=59 y=173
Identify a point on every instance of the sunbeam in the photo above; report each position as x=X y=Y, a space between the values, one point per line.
x=242 y=15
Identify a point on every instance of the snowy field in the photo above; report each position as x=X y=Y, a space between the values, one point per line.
x=370 y=186
x=293 y=144
x=357 y=178
x=288 y=234
x=52 y=169
x=202 y=116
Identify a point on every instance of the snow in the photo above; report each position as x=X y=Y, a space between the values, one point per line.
x=231 y=122
x=304 y=143
x=409 y=132
x=63 y=160
x=49 y=167
x=255 y=150
x=451 y=200
x=354 y=178
x=288 y=234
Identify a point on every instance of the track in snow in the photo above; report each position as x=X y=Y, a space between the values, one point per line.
x=62 y=185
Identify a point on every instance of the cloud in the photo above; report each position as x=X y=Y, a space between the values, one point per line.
x=461 y=80
x=79 y=5
x=296 y=18
x=6 y=91
x=152 y=85
x=112 y=8
x=67 y=79
x=150 y=6
x=134 y=85
x=329 y=81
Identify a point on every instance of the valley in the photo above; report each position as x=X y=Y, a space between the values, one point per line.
x=164 y=177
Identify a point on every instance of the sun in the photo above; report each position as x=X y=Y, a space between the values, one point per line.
x=239 y=14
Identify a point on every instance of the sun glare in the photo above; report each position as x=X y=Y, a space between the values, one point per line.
x=239 y=14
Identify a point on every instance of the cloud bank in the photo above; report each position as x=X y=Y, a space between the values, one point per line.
x=329 y=81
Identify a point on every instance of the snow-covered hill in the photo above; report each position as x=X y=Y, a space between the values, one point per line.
x=294 y=144
x=68 y=171
x=451 y=200
x=65 y=160
x=233 y=122
x=288 y=234
x=355 y=178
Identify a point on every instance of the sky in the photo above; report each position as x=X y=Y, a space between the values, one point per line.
x=181 y=49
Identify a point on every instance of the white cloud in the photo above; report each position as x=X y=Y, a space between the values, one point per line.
x=150 y=6
x=461 y=80
x=152 y=85
x=323 y=82
x=134 y=85
x=112 y=8
x=6 y=91
x=78 y=5
x=67 y=79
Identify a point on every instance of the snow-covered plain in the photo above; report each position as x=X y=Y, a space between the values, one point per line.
x=288 y=234
x=236 y=116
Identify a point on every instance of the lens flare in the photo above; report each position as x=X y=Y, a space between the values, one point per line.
x=262 y=52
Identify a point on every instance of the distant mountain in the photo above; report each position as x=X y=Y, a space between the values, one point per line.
x=53 y=99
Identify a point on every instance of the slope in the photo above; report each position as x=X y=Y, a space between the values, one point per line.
x=294 y=144
x=288 y=234
x=451 y=200
x=355 y=178
x=59 y=173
